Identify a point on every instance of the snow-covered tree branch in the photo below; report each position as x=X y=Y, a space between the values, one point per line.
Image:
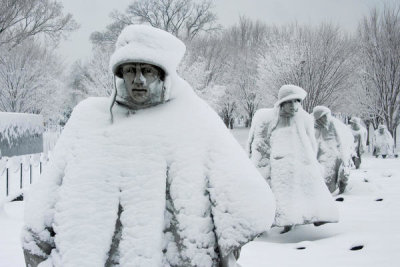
x=379 y=35
x=31 y=80
x=21 y=19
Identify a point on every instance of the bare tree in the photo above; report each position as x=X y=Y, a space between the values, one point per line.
x=30 y=79
x=379 y=35
x=185 y=19
x=227 y=61
x=205 y=62
x=246 y=41
x=78 y=91
x=21 y=19
x=327 y=67
x=227 y=109
x=317 y=59
x=98 y=79
x=244 y=86
x=108 y=38
x=31 y=75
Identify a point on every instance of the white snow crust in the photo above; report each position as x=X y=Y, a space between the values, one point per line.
x=363 y=222
x=14 y=125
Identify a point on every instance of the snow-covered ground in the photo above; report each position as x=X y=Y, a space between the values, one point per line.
x=369 y=221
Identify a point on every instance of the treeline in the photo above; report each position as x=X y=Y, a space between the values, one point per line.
x=239 y=69
x=31 y=74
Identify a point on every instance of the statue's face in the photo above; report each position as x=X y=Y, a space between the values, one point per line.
x=290 y=107
x=381 y=130
x=323 y=120
x=143 y=82
x=354 y=125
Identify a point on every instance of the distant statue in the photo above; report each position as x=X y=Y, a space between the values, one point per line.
x=335 y=143
x=360 y=140
x=383 y=143
x=282 y=145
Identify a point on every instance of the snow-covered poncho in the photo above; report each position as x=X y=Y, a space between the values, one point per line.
x=335 y=149
x=287 y=158
x=360 y=140
x=383 y=143
x=217 y=199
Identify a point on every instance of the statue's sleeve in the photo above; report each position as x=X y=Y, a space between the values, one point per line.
x=258 y=145
x=38 y=233
x=242 y=203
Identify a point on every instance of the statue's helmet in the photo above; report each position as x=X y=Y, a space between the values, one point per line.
x=319 y=111
x=290 y=92
x=149 y=45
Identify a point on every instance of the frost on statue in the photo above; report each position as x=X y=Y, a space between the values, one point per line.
x=360 y=140
x=20 y=134
x=335 y=148
x=164 y=184
x=282 y=145
x=382 y=141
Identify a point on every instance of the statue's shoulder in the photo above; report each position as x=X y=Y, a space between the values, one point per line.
x=263 y=115
x=261 y=121
x=93 y=103
x=90 y=109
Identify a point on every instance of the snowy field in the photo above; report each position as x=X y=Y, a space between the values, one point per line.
x=367 y=234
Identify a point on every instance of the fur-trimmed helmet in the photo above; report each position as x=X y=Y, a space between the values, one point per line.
x=289 y=92
x=146 y=44
x=319 y=111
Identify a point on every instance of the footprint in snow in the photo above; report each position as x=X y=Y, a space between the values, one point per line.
x=358 y=247
x=387 y=174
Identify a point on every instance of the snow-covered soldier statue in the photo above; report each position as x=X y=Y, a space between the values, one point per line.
x=383 y=142
x=335 y=143
x=282 y=145
x=360 y=140
x=163 y=184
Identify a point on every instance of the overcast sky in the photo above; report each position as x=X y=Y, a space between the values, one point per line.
x=93 y=15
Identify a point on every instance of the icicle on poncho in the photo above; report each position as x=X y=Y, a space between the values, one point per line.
x=171 y=165
x=286 y=157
